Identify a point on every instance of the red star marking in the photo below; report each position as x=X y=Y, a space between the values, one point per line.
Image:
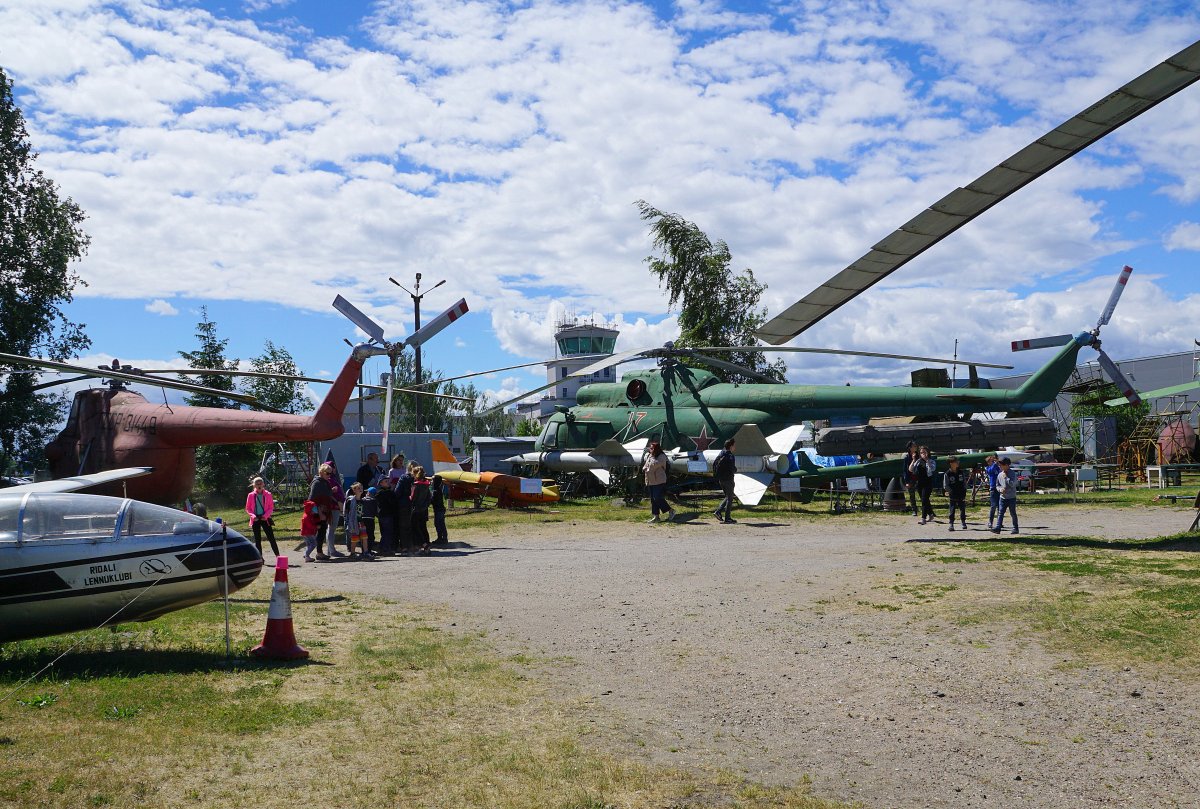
x=703 y=440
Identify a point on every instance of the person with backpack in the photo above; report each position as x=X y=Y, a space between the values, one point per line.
x=1006 y=486
x=439 y=511
x=955 y=483
x=421 y=498
x=724 y=469
x=992 y=470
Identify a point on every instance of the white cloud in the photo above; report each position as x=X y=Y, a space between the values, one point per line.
x=1184 y=236
x=505 y=145
x=160 y=307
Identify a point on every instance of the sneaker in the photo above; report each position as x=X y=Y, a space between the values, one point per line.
x=951 y=526
x=989 y=525
x=994 y=530
x=717 y=514
x=308 y=558
x=922 y=521
x=653 y=519
x=1015 y=531
x=321 y=557
x=729 y=521
x=670 y=515
x=964 y=526
x=337 y=554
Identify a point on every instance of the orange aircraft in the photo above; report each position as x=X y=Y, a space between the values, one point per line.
x=507 y=489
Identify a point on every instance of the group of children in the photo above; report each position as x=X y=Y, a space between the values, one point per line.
x=398 y=500
x=1002 y=488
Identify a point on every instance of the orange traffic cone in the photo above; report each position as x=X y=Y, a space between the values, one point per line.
x=279 y=641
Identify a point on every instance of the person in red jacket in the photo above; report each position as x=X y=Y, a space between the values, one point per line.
x=310 y=525
x=260 y=506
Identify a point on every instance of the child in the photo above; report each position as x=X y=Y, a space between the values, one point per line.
x=310 y=523
x=354 y=528
x=1006 y=485
x=439 y=511
x=955 y=482
x=260 y=506
x=992 y=470
x=368 y=510
x=419 y=517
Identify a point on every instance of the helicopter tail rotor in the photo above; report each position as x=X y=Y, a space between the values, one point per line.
x=1110 y=368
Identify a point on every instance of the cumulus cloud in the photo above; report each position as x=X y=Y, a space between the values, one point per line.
x=1184 y=236
x=504 y=145
x=160 y=307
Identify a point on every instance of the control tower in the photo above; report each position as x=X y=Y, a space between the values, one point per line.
x=577 y=343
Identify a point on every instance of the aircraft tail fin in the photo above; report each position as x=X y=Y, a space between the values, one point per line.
x=783 y=441
x=1047 y=381
x=602 y=475
x=749 y=489
x=805 y=463
x=750 y=441
x=609 y=447
x=327 y=421
x=443 y=458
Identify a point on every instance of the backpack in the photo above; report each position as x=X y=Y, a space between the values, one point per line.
x=723 y=468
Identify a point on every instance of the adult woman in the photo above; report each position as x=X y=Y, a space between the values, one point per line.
x=260 y=506
x=321 y=493
x=923 y=470
x=655 y=469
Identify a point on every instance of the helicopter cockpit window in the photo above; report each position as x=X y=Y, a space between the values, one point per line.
x=145 y=519
x=65 y=516
x=549 y=437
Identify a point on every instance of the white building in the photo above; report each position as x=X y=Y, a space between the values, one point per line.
x=577 y=344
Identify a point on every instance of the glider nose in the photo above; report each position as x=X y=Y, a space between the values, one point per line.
x=244 y=560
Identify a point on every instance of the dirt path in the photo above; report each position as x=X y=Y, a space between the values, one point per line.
x=748 y=647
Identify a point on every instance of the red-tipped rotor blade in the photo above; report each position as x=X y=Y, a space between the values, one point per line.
x=440 y=322
x=1042 y=342
x=1114 y=373
x=1115 y=296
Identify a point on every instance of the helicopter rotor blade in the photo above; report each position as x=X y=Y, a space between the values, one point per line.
x=727 y=366
x=607 y=362
x=414 y=389
x=1118 y=378
x=850 y=353
x=421 y=335
x=387 y=406
x=101 y=373
x=1114 y=296
x=355 y=315
x=964 y=204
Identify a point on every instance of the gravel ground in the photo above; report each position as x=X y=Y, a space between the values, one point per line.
x=748 y=647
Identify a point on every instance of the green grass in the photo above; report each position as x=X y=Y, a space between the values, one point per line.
x=1127 y=602
x=392 y=710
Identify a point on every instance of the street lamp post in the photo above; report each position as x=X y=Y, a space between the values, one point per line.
x=416 y=294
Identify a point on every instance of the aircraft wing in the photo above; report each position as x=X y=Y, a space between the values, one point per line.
x=962 y=205
x=74 y=484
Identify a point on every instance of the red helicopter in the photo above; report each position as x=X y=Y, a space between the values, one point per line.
x=113 y=427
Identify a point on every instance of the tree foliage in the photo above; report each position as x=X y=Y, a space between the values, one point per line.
x=444 y=415
x=220 y=469
x=1127 y=415
x=282 y=394
x=41 y=235
x=716 y=307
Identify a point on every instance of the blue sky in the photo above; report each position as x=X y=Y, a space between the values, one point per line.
x=259 y=157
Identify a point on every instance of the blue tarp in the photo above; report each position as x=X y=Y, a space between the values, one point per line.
x=820 y=460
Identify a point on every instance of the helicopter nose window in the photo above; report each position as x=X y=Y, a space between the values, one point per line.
x=549 y=437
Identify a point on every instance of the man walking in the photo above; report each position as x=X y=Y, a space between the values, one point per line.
x=724 y=468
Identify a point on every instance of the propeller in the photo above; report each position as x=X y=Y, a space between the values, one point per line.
x=128 y=374
x=379 y=345
x=1110 y=368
